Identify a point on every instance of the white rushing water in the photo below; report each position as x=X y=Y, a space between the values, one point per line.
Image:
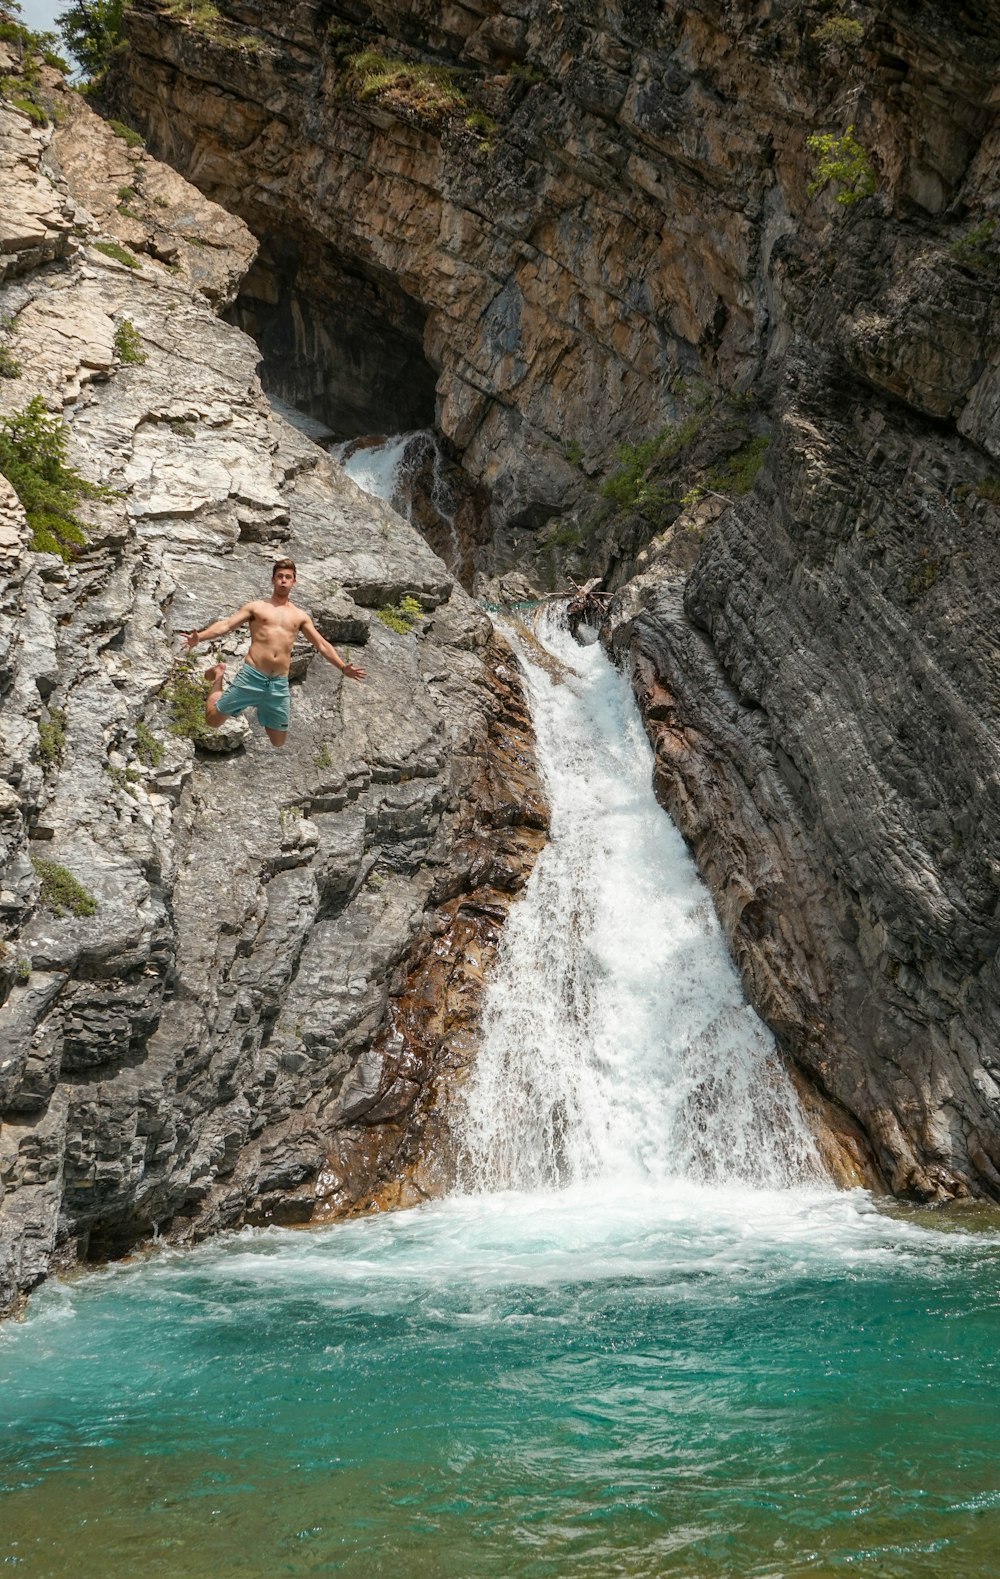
x=618 y=1047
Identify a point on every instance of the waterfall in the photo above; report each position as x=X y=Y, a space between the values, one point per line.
x=618 y=1047
x=391 y=470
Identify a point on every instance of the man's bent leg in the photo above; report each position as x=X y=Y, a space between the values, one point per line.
x=277 y=737
x=216 y=677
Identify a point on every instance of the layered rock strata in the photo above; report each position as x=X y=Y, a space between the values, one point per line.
x=216 y=955
x=638 y=238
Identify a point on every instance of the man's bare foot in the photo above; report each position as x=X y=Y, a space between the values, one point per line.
x=214 y=674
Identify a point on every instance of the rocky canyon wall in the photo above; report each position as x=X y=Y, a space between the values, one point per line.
x=609 y=228
x=232 y=979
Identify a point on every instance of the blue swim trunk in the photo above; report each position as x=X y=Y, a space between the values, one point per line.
x=268 y=693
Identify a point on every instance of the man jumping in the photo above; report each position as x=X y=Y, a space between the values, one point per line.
x=262 y=682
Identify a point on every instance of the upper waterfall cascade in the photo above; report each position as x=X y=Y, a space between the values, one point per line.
x=618 y=1046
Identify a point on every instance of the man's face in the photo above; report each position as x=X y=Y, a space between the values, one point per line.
x=283 y=582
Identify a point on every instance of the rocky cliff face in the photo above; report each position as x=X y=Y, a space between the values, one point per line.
x=604 y=225
x=232 y=978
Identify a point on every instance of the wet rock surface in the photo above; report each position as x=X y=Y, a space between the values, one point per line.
x=639 y=244
x=230 y=1010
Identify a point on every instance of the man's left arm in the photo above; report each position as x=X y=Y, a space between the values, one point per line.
x=351 y=671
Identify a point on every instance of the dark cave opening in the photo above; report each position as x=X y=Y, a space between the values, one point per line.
x=340 y=342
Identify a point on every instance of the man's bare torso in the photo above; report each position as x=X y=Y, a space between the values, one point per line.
x=273 y=629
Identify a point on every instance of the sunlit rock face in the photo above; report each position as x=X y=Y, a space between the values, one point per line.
x=634 y=239
x=277 y=954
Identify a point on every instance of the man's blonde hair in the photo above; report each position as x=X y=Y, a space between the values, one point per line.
x=284 y=564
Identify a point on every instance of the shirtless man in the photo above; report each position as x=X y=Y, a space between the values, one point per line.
x=262 y=682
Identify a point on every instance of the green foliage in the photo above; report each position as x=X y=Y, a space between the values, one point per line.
x=111 y=249
x=629 y=485
x=33 y=459
x=974 y=250
x=23 y=971
x=24 y=88
x=844 y=161
x=989 y=489
x=128 y=343
x=60 y=891
x=574 y=452
x=323 y=759
x=128 y=135
x=738 y=474
x=567 y=537
x=10 y=367
x=148 y=749
x=485 y=125
x=126 y=194
x=200 y=13
x=91 y=30
x=52 y=737
x=838 y=33
x=402 y=616
x=185 y=695
x=923 y=578
x=429 y=93
x=22 y=98
x=526 y=73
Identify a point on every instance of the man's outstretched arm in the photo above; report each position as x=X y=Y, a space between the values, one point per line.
x=352 y=671
x=218 y=627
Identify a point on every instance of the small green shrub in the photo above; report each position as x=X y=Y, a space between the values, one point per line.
x=567 y=537
x=629 y=485
x=574 y=452
x=844 y=161
x=60 y=891
x=10 y=367
x=738 y=474
x=323 y=759
x=526 y=73
x=838 y=33
x=129 y=136
x=128 y=343
x=33 y=459
x=148 y=749
x=111 y=249
x=401 y=616
x=973 y=250
x=185 y=696
x=989 y=489
x=23 y=971
x=923 y=579
x=479 y=121
x=52 y=737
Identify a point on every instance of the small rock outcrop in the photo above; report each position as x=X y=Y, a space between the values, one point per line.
x=740 y=263
x=231 y=978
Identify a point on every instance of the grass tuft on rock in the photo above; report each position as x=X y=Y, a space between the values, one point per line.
x=120 y=254
x=129 y=136
x=60 y=891
x=185 y=693
x=52 y=737
x=33 y=459
x=429 y=93
x=402 y=616
x=977 y=249
x=148 y=749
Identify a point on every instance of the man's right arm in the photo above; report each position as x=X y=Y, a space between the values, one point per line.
x=219 y=627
